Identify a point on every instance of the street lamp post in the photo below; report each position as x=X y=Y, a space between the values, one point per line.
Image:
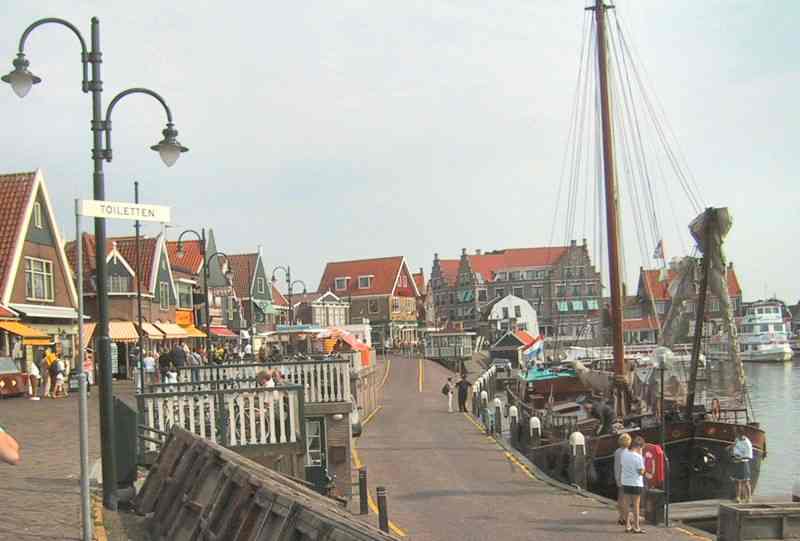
x=287 y=272
x=21 y=81
x=206 y=260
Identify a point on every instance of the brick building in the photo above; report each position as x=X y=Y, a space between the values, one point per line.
x=560 y=282
x=380 y=291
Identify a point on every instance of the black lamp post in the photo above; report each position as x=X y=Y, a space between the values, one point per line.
x=287 y=272
x=206 y=259
x=21 y=81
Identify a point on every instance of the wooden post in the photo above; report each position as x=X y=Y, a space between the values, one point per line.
x=363 y=495
x=383 y=509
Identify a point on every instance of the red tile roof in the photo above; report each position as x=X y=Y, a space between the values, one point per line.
x=488 y=264
x=243 y=267
x=15 y=194
x=660 y=290
x=192 y=259
x=641 y=324
x=525 y=338
x=126 y=246
x=419 y=279
x=7 y=312
x=278 y=299
x=384 y=272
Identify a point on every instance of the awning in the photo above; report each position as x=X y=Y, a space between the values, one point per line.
x=150 y=332
x=7 y=312
x=88 y=331
x=53 y=312
x=193 y=332
x=171 y=330
x=30 y=337
x=122 y=331
x=223 y=332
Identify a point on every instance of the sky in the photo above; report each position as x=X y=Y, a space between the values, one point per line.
x=344 y=130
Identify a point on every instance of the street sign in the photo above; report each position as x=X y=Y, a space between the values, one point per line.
x=124 y=211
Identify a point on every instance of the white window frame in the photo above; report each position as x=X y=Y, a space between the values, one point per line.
x=260 y=284
x=114 y=282
x=397 y=305
x=402 y=281
x=369 y=306
x=163 y=295
x=231 y=309
x=521 y=291
x=37 y=215
x=338 y=281
x=369 y=278
x=46 y=274
x=191 y=296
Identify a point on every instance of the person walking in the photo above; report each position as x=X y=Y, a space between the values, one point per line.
x=623 y=444
x=463 y=387
x=742 y=451
x=46 y=369
x=33 y=377
x=632 y=478
x=447 y=390
x=149 y=363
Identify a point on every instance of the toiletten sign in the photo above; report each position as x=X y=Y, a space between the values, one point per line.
x=124 y=211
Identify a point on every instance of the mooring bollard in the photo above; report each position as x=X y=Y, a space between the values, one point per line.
x=498 y=416
x=383 y=510
x=535 y=431
x=513 y=422
x=363 y=495
x=577 y=463
x=796 y=489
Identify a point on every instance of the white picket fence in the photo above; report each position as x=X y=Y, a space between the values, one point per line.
x=323 y=381
x=232 y=417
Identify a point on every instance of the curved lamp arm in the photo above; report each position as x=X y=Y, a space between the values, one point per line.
x=298 y=282
x=21 y=63
x=168 y=148
x=286 y=272
x=180 y=240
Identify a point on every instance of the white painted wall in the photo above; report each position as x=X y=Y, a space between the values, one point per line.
x=527 y=316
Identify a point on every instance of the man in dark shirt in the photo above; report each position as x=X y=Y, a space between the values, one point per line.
x=179 y=356
x=463 y=391
x=602 y=411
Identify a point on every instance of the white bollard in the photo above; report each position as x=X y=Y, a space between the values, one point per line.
x=577 y=444
x=535 y=427
x=513 y=412
x=484 y=398
x=577 y=440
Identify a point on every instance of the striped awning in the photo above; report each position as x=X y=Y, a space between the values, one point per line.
x=88 y=331
x=30 y=337
x=193 y=332
x=223 y=332
x=151 y=332
x=122 y=331
x=171 y=330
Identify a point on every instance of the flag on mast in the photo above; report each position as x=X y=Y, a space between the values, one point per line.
x=658 y=253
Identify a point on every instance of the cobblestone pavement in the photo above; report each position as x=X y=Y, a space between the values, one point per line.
x=41 y=496
x=448 y=481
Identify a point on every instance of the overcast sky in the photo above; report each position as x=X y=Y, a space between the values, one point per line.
x=341 y=130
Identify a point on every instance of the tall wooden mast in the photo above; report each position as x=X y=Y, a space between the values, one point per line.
x=612 y=211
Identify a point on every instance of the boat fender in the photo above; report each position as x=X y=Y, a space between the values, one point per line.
x=513 y=412
x=535 y=426
x=485 y=398
x=703 y=460
x=498 y=404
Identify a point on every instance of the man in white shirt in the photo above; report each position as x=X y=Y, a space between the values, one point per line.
x=742 y=455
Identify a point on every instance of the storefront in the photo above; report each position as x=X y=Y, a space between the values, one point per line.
x=123 y=341
x=57 y=323
x=152 y=338
x=195 y=338
x=18 y=350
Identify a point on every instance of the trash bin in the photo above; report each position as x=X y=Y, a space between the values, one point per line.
x=126 y=446
x=654 y=506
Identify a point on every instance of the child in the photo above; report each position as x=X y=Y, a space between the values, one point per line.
x=58 y=390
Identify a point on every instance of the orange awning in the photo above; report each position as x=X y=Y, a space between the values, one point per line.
x=30 y=337
x=171 y=330
x=150 y=331
x=122 y=331
x=88 y=331
x=193 y=332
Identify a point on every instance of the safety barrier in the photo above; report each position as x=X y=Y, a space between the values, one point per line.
x=323 y=380
x=200 y=490
x=486 y=382
x=231 y=417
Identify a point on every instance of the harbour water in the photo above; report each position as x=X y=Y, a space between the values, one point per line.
x=775 y=393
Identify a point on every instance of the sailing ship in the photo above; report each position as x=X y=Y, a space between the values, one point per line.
x=659 y=405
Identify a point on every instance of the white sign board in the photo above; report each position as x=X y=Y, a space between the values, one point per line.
x=124 y=211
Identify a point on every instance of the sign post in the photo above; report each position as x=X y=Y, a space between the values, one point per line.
x=124 y=211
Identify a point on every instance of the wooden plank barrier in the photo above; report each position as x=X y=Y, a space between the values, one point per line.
x=198 y=489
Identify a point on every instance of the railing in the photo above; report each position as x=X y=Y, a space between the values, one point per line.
x=323 y=381
x=230 y=417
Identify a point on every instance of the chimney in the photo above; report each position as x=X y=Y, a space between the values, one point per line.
x=572 y=242
x=463 y=251
x=478 y=251
x=421 y=271
x=436 y=256
x=584 y=241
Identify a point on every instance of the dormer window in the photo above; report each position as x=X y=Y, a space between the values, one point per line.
x=37 y=215
x=365 y=282
x=260 y=284
x=341 y=284
x=403 y=281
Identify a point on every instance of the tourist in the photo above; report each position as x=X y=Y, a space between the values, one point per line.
x=47 y=372
x=248 y=350
x=632 y=478
x=463 y=390
x=179 y=359
x=149 y=363
x=624 y=442
x=447 y=390
x=164 y=364
x=742 y=455
x=262 y=353
x=9 y=448
x=602 y=412
x=58 y=379
x=33 y=378
x=264 y=378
